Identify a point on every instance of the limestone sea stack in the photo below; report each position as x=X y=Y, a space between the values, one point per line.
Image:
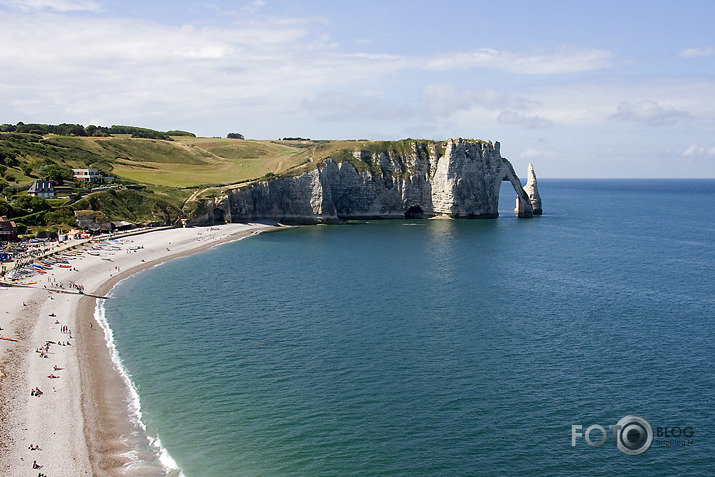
x=457 y=178
x=532 y=191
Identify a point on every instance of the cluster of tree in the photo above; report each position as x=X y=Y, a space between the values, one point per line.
x=23 y=204
x=234 y=136
x=296 y=139
x=8 y=159
x=50 y=170
x=65 y=129
x=139 y=132
x=177 y=132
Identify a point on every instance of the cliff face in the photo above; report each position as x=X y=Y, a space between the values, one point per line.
x=461 y=180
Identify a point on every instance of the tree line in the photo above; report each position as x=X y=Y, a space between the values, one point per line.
x=66 y=129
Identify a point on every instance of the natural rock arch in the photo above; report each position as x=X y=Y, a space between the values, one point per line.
x=523 y=201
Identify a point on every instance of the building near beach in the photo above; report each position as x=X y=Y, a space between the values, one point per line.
x=8 y=230
x=90 y=175
x=42 y=188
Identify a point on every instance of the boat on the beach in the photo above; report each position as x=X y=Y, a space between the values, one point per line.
x=9 y=339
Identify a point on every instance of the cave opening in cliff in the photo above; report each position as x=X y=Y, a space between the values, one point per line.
x=219 y=217
x=414 y=212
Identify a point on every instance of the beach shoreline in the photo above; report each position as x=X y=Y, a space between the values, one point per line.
x=82 y=421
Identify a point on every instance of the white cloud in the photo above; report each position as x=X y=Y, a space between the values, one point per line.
x=530 y=154
x=338 y=106
x=444 y=99
x=563 y=61
x=531 y=122
x=648 y=112
x=256 y=5
x=699 y=151
x=55 y=5
x=92 y=66
x=698 y=52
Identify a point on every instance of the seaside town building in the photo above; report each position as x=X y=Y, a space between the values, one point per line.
x=42 y=188
x=8 y=230
x=91 y=175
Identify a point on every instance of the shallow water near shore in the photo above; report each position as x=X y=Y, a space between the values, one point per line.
x=437 y=347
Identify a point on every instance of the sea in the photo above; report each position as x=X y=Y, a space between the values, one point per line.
x=579 y=342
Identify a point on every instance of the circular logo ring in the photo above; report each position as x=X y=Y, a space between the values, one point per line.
x=634 y=435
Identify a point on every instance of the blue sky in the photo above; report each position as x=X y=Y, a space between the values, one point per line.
x=581 y=89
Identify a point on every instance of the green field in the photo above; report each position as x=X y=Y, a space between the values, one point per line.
x=185 y=162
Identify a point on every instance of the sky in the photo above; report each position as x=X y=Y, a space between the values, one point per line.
x=581 y=89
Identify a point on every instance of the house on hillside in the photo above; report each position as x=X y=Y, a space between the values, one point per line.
x=42 y=188
x=90 y=175
x=8 y=230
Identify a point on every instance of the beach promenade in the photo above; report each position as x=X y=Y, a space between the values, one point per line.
x=62 y=401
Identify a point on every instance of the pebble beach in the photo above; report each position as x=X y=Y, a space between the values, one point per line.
x=62 y=399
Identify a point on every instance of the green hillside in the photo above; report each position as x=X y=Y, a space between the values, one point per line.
x=157 y=176
x=153 y=177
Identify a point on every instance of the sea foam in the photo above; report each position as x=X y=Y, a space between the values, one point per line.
x=146 y=455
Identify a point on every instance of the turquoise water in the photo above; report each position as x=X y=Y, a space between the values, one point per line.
x=437 y=347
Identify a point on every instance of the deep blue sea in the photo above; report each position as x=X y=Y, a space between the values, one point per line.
x=438 y=347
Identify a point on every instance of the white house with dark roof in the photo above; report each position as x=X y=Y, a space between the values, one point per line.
x=42 y=188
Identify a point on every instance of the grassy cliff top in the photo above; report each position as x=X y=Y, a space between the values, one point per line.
x=165 y=174
x=184 y=162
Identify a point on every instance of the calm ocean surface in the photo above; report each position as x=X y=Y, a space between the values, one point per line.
x=438 y=347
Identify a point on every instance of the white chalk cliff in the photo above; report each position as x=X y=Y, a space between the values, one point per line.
x=458 y=178
x=532 y=191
